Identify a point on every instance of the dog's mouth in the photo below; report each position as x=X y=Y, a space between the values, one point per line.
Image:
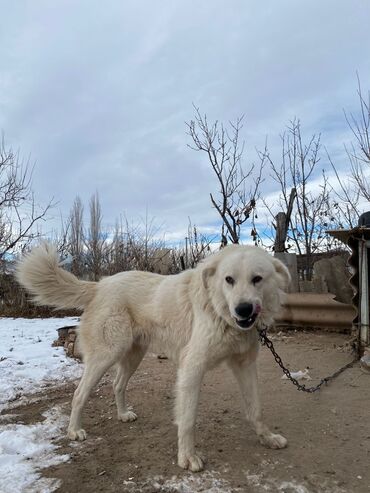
x=246 y=323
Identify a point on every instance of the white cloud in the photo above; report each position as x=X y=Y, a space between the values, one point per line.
x=98 y=93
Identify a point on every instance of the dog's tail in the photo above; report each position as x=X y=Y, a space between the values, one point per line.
x=41 y=274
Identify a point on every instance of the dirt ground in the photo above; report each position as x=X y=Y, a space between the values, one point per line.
x=328 y=432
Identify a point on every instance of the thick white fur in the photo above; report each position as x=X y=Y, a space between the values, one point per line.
x=189 y=316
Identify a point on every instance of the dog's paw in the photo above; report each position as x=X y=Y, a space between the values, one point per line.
x=193 y=462
x=272 y=440
x=77 y=434
x=127 y=416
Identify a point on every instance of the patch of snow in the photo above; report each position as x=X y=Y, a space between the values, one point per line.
x=213 y=482
x=28 y=362
x=298 y=375
x=292 y=487
x=206 y=482
x=261 y=483
x=25 y=449
x=267 y=482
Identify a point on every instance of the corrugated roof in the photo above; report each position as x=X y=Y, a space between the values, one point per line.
x=344 y=235
x=352 y=237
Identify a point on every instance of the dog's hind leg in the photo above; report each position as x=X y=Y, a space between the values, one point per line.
x=95 y=367
x=125 y=369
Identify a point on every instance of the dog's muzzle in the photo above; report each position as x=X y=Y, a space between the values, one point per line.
x=247 y=314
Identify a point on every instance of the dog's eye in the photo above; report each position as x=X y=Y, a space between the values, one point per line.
x=229 y=280
x=256 y=279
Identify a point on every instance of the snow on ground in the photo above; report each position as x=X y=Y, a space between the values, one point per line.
x=205 y=482
x=25 y=449
x=213 y=482
x=28 y=363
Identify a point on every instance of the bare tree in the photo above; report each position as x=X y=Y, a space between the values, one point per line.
x=137 y=247
x=359 y=151
x=197 y=246
x=235 y=203
x=96 y=239
x=117 y=261
x=77 y=237
x=59 y=237
x=122 y=250
x=346 y=202
x=354 y=187
x=144 y=246
x=311 y=214
x=19 y=212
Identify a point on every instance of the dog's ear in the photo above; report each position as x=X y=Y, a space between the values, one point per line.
x=282 y=274
x=207 y=272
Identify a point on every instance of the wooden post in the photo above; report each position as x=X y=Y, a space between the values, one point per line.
x=282 y=224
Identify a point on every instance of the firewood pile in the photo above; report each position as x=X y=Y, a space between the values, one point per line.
x=67 y=337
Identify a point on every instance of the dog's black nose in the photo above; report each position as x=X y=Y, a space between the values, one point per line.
x=244 y=310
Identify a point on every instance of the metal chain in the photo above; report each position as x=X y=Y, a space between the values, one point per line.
x=265 y=341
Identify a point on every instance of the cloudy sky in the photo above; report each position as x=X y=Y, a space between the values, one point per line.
x=98 y=93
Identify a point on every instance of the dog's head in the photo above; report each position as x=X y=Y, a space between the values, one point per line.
x=245 y=285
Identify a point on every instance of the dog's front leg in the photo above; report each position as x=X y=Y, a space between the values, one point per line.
x=189 y=379
x=246 y=375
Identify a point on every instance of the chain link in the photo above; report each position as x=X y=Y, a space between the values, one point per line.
x=265 y=341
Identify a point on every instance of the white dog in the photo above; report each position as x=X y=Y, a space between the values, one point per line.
x=199 y=317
